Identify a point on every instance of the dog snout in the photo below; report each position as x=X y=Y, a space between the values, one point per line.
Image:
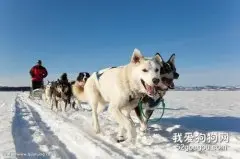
x=176 y=75
x=156 y=81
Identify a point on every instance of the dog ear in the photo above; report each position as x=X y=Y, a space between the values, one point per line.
x=136 y=56
x=87 y=74
x=80 y=76
x=159 y=59
x=172 y=59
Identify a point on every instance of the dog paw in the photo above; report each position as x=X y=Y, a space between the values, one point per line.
x=97 y=131
x=130 y=141
x=120 y=139
x=143 y=127
x=76 y=109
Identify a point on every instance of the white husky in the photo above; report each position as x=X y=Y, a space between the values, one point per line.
x=48 y=92
x=122 y=88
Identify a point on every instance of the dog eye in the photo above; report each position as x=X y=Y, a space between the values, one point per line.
x=145 y=70
x=156 y=70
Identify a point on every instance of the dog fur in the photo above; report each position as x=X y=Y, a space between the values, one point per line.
x=48 y=90
x=61 y=92
x=122 y=88
x=78 y=88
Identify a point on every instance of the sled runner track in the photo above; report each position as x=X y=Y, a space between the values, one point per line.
x=28 y=127
x=51 y=138
x=74 y=136
x=44 y=142
x=74 y=129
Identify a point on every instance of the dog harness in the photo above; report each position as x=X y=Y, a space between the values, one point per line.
x=100 y=74
x=151 y=102
x=153 y=105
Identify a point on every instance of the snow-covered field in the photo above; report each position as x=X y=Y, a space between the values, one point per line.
x=29 y=129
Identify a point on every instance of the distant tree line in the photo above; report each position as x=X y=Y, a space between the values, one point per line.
x=177 y=88
x=6 y=88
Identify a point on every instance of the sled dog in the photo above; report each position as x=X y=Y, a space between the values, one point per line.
x=121 y=88
x=48 y=90
x=61 y=92
x=168 y=74
x=78 y=88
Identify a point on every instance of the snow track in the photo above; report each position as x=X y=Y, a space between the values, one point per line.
x=32 y=136
x=7 y=146
x=77 y=136
x=30 y=129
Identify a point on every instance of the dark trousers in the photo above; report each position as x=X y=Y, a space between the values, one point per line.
x=37 y=84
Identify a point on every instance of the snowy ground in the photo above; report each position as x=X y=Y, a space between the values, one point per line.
x=29 y=129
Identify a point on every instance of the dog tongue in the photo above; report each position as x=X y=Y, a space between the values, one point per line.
x=172 y=85
x=150 y=90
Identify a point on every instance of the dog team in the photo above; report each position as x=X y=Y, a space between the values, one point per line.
x=120 y=89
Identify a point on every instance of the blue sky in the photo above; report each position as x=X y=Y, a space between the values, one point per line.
x=89 y=35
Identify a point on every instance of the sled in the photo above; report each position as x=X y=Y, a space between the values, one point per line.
x=36 y=94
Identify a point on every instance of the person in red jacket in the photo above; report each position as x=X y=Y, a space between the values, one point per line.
x=38 y=73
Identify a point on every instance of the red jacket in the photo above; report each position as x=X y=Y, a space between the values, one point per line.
x=38 y=73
